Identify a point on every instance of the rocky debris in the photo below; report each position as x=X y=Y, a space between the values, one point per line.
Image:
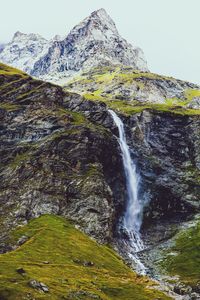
x=84 y=263
x=22 y=240
x=95 y=41
x=21 y=271
x=82 y=295
x=182 y=289
x=186 y=291
x=195 y=103
x=38 y=285
x=88 y=264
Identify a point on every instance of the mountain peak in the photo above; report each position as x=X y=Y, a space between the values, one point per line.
x=18 y=34
x=100 y=16
x=95 y=41
x=97 y=26
x=101 y=13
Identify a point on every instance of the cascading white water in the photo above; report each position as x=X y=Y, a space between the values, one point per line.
x=133 y=214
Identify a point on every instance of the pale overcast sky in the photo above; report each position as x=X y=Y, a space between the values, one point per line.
x=168 y=31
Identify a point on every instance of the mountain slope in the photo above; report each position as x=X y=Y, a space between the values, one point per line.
x=128 y=90
x=56 y=155
x=60 y=156
x=69 y=264
x=95 y=41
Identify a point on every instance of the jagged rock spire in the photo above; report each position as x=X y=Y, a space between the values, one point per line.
x=94 y=41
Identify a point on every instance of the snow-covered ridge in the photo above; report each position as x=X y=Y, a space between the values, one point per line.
x=94 y=41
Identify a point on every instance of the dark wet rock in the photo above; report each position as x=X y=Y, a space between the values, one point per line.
x=182 y=289
x=88 y=264
x=166 y=147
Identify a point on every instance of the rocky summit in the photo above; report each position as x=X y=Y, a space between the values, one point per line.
x=83 y=163
x=95 y=41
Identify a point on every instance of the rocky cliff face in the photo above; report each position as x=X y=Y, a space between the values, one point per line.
x=54 y=160
x=24 y=50
x=95 y=41
x=164 y=139
x=166 y=146
x=57 y=144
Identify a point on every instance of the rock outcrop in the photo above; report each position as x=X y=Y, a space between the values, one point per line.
x=24 y=50
x=134 y=87
x=54 y=161
x=166 y=147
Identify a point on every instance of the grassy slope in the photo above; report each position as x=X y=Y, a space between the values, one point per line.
x=10 y=71
x=54 y=240
x=186 y=261
x=112 y=77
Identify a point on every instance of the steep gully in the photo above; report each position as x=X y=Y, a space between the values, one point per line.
x=134 y=208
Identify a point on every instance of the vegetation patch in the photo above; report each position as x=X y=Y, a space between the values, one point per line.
x=69 y=263
x=111 y=84
x=10 y=71
x=186 y=261
x=133 y=107
x=9 y=106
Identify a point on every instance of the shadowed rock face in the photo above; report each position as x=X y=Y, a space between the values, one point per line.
x=53 y=160
x=166 y=147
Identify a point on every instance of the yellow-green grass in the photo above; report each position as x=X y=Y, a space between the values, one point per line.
x=185 y=258
x=191 y=93
x=102 y=78
x=10 y=71
x=132 y=107
x=9 y=106
x=67 y=261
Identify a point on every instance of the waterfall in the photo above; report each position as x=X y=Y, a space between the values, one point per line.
x=133 y=214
